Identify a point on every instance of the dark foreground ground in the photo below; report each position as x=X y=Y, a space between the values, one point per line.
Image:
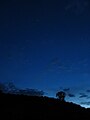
x=19 y=107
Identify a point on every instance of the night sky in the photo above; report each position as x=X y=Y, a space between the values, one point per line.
x=45 y=45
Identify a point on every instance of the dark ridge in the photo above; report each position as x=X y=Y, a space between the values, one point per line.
x=22 y=107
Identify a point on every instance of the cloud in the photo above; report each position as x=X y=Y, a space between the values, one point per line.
x=57 y=64
x=51 y=89
x=88 y=97
x=81 y=93
x=31 y=92
x=66 y=89
x=83 y=96
x=71 y=95
x=68 y=92
x=88 y=91
x=85 y=103
x=12 y=89
x=76 y=6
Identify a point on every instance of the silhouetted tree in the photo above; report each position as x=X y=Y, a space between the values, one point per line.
x=61 y=95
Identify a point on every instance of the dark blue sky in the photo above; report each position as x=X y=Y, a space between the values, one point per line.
x=45 y=44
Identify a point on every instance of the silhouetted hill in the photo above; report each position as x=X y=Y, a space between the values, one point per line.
x=21 y=107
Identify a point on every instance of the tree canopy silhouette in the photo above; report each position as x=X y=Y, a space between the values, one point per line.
x=61 y=95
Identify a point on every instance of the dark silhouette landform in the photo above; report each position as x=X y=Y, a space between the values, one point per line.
x=23 y=107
